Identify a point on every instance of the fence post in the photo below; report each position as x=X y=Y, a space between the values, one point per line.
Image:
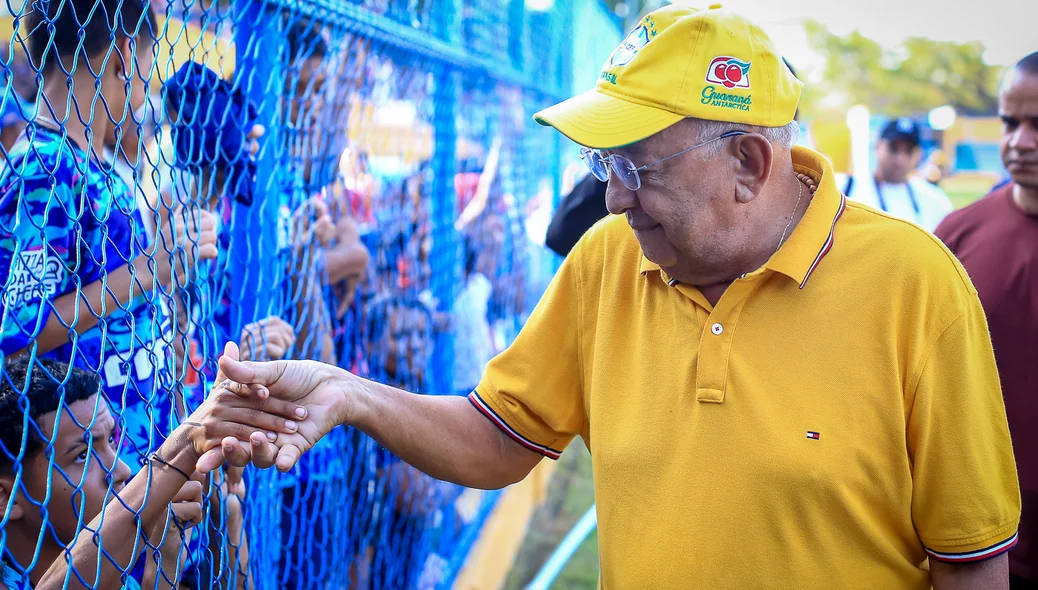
x=444 y=204
x=254 y=241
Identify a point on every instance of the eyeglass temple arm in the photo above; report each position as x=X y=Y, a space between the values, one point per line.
x=686 y=150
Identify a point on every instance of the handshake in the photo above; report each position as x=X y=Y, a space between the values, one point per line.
x=264 y=414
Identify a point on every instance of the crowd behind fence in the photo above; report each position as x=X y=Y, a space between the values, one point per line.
x=358 y=182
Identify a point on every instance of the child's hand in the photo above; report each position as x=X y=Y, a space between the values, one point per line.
x=271 y=336
x=313 y=217
x=186 y=237
x=234 y=482
x=172 y=533
x=186 y=506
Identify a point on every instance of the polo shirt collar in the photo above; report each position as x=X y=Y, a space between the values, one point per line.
x=814 y=236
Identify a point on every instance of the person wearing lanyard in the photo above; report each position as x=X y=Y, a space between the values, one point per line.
x=893 y=188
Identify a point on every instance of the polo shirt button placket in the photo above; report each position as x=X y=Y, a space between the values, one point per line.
x=715 y=347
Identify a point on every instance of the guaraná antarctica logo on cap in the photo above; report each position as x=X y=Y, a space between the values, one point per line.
x=731 y=73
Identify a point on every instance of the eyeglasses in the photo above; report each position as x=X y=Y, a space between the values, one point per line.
x=625 y=170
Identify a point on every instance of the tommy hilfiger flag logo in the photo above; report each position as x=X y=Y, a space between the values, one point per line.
x=811 y=434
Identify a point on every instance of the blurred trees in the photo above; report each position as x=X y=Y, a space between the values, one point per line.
x=920 y=75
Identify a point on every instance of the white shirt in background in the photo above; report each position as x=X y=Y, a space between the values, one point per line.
x=473 y=342
x=918 y=201
x=143 y=186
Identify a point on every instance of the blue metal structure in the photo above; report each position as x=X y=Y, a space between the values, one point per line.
x=403 y=125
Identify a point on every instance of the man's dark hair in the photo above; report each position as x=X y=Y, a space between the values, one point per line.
x=43 y=397
x=1029 y=64
x=128 y=18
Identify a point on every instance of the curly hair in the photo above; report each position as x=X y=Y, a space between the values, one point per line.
x=50 y=383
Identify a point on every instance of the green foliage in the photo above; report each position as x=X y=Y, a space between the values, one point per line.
x=919 y=75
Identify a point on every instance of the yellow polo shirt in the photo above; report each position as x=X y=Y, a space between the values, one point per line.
x=833 y=421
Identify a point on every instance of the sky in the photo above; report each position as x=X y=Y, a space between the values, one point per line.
x=1007 y=28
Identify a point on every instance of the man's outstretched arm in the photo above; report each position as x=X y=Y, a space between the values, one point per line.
x=444 y=436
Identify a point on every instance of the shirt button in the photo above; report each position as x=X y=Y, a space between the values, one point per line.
x=717 y=329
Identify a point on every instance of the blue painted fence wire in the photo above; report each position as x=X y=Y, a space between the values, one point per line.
x=375 y=185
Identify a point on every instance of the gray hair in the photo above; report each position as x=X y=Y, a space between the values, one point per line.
x=785 y=137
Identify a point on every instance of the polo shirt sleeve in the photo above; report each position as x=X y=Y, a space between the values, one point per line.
x=533 y=390
x=965 y=494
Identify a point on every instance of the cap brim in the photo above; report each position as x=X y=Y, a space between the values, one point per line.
x=914 y=140
x=601 y=121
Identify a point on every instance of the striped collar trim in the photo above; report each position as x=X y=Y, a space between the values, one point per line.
x=978 y=555
x=828 y=245
x=491 y=415
x=815 y=235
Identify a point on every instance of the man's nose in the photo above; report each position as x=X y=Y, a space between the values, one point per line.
x=120 y=473
x=619 y=199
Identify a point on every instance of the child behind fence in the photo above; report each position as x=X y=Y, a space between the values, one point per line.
x=60 y=468
x=82 y=282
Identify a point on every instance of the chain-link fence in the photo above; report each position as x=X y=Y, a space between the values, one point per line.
x=358 y=182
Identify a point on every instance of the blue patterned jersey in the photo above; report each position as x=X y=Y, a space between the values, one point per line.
x=66 y=222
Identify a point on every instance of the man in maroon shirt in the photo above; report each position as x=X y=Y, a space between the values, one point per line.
x=996 y=239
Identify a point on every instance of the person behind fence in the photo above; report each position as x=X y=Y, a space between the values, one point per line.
x=82 y=282
x=12 y=121
x=996 y=239
x=764 y=381
x=472 y=335
x=395 y=520
x=61 y=468
x=895 y=187
x=132 y=158
x=214 y=139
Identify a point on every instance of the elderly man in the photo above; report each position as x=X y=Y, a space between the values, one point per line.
x=996 y=239
x=773 y=395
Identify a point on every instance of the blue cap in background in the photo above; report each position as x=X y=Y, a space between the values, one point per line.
x=211 y=125
x=902 y=129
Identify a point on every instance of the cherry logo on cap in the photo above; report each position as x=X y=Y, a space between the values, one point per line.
x=729 y=72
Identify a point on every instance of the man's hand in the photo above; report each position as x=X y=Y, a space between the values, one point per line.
x=271 y=336
x=227 y=424
x=318 y=388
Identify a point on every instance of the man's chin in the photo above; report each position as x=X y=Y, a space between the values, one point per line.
x=665 y=260
x=1028 y=181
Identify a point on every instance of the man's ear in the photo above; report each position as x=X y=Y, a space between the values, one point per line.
x=120 y=63
x=755 y=155
x=9 y=504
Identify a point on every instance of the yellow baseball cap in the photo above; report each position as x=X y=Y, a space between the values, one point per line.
x=681 y=62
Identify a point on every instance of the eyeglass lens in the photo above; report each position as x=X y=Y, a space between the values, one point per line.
x=622 y=168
